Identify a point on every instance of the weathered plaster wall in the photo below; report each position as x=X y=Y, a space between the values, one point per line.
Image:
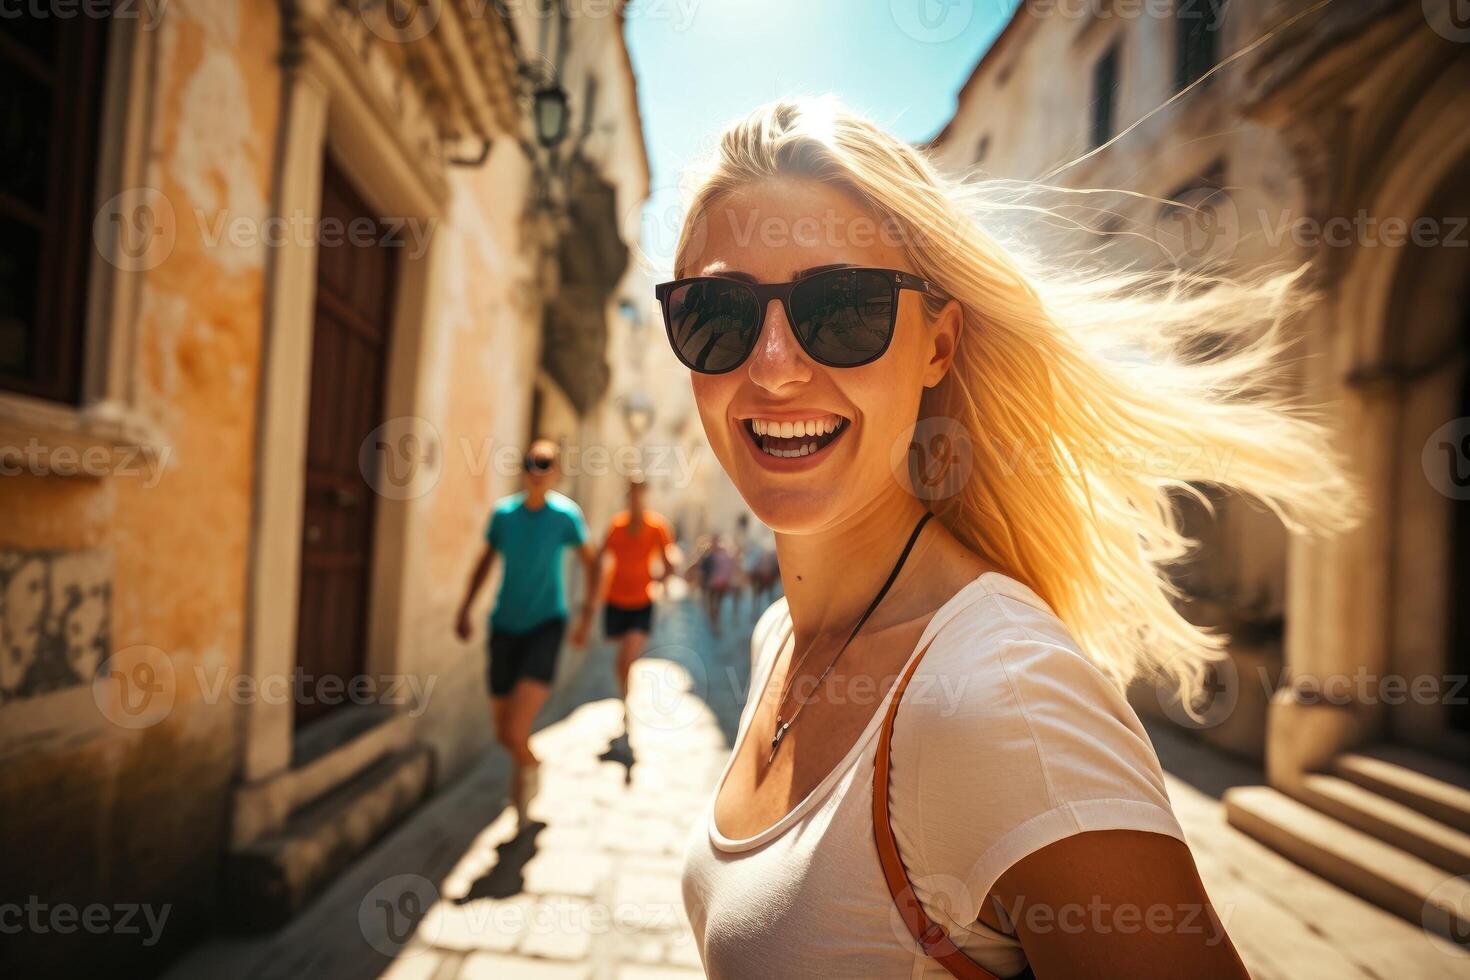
x=93 y=810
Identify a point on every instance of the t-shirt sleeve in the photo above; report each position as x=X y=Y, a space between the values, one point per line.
x=576 y=526
x=664 y=537
x=494 y=528
x=1015 y=741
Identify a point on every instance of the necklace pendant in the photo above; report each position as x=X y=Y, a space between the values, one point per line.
x=779 y=734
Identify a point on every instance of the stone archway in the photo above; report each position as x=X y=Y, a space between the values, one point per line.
x=1404 y=301
x=1427 y=343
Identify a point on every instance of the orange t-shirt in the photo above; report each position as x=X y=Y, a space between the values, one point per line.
x=632 y=553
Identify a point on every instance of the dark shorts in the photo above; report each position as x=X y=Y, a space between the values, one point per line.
x=530 y=655
x=616 y=621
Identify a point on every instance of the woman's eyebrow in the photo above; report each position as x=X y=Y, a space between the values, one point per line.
x=824 y=268
x=747 y=277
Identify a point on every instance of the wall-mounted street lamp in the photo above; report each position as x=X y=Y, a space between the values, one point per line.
x=550 y=110
x=638 y=414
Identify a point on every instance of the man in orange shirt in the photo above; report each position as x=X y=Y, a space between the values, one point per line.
x=633 y=539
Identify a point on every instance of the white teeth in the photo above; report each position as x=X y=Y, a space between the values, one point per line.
x=805 y=450
x=797 y=429
x=800 y=429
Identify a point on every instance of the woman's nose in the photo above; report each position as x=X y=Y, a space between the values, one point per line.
x=778 y=359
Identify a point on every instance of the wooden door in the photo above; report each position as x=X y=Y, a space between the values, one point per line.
x=354 y=291
x=1458 y=662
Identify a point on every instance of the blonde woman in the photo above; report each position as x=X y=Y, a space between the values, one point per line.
x=833 y=292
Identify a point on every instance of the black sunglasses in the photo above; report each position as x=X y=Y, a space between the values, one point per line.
x=538 y=464
x=842 y=317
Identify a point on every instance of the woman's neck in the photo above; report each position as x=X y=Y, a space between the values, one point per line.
x=831 y=576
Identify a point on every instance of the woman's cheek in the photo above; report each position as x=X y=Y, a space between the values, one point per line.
x=713 y=405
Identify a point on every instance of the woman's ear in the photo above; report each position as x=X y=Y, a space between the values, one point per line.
x=944 y=340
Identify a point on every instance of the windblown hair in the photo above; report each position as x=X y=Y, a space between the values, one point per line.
x=1071 y=383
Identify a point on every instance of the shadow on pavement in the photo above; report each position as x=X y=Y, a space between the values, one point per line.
x=508 y=876
x=619 y=750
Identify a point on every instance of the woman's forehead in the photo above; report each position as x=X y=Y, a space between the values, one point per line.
x=781 y=229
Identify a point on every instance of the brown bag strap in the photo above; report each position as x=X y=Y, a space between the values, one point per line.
x=930 y=936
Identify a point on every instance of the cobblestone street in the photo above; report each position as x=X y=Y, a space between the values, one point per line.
x=591 y=892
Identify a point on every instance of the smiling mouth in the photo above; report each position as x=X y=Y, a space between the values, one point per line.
x=789 y=440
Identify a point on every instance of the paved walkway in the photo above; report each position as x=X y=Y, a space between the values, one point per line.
x=593 y=894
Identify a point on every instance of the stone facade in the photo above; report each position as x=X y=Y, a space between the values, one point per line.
x=150 y=536
x=1246 y=170
x=1336 y=135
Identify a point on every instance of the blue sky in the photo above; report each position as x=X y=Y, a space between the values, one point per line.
x=703 y=63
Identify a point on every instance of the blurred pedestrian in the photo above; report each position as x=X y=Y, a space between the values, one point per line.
x=634 y=539
x=716 y=566
x=765 y=576
x=529 y=530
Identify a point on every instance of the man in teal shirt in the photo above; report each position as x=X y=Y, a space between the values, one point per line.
x=529 y=530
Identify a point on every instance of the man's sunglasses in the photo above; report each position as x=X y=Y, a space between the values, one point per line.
x=842 y=317
x=538 y=464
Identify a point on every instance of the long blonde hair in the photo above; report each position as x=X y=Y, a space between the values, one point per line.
x=1059 y=365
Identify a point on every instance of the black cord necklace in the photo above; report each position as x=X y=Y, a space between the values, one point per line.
x=782 y=726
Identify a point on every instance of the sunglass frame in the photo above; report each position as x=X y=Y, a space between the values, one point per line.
x=764 y=292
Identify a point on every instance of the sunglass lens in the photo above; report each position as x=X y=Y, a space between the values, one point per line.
x=712 y=324
x=845 y=317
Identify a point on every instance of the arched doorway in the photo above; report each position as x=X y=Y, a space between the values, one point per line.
x=1427 y=349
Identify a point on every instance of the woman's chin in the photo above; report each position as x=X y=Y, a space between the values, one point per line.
x=791 y=510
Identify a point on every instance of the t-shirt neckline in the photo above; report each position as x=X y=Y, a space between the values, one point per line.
x=938 y=621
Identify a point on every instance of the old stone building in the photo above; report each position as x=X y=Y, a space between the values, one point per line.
x=285 y=288
x=1271 y=133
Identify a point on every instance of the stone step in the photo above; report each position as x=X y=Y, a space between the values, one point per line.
x=269 y=880
x=1435 y=788
x=1388 y=820
x=1351 y=859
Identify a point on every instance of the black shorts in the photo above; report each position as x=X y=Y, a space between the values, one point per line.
x=616 y=621
x=530 y=655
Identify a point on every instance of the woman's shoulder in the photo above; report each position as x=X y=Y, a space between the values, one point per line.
x=983 y=629
x=1009 y=738
x=1005 y=686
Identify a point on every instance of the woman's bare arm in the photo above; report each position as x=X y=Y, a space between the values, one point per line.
x=1114 y=903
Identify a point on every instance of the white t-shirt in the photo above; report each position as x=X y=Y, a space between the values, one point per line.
x=1007 y=739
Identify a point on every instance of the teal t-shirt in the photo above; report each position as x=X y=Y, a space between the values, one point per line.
x=532 y=590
